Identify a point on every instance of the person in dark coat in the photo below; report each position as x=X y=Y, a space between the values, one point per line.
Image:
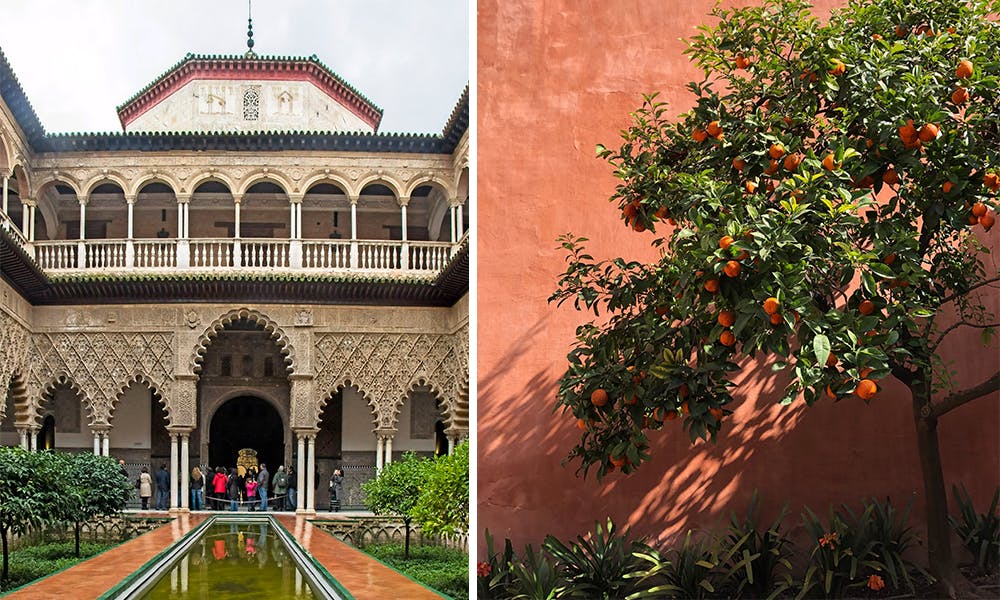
x=263 y=480
x=336 y=489
x=163 y=488
x=293 y=482
x=233 y=489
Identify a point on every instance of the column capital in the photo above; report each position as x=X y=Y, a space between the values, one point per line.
x=183 y=198
x=295 y=198
x=385 y=434
x=129 y=198
x=29 y=202
x=403 y=201
x=353 y=199
x=83 y=200
x=179 y=430
x=237 y=198
x=305 y=432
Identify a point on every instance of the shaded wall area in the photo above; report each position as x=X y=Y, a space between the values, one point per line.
x=555 y=79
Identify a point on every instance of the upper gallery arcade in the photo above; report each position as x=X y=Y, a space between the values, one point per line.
x=249 y=249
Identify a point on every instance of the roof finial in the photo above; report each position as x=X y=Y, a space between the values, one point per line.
x=250 y=53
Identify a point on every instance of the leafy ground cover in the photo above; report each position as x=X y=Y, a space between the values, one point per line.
x=442 y=569
x=32 y=562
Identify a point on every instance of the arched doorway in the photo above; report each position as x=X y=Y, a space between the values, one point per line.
x=246 y=422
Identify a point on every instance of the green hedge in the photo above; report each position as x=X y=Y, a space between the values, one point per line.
x=442 y=569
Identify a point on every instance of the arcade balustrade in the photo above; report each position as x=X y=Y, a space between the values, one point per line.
x=63 y=257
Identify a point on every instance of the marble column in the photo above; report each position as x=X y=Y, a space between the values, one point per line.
x=300 y=474
x=23 y=433
x=459 y=223
x=5 y=178
x=173 y=471
x=378 y=452
x=106 y=444
x=185 y=470
x=454 y=229
x=311 y=472
x=388 y=449
x=97 y=443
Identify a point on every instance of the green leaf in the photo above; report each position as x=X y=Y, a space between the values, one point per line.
x=821 y=348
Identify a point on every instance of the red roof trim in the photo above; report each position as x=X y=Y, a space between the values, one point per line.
x=234 y=70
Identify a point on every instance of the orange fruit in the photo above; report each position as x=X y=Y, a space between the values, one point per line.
x=742 y=62
x=739 y=164
x=866 y=372
x=830 y=394
x=599 y=397
x=901 y=31
x=988 y=220
x=618 y=462
x=792 y=161
x=714 y=129
x=946 y=186
x=830 y=162
x=929 y=132
x=772 y=167
x=960 y=95
x=866 y=307
x=727 y=338
x=964 y=70
x=581 y=424
x=699 y=135
x=838 y=67
x=712 y=286
x=890 y=176
x=908 y=133
x=633 y=400
x=726 y=241
x=777 y=319
x=776 y=151
x=979 y=209
x=751 y=187
x=661 y=213
x=771 y=305
x=866 y=389
x=727 y=318
x=717 y=413
x=638 y=226
x=671 y=415
x=889 y=258
x=831 y=360
x=732 y=269
x=684 y=408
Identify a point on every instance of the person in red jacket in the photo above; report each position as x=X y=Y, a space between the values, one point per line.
x=219 y=488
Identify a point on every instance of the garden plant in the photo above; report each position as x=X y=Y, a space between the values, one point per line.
x=824 y=207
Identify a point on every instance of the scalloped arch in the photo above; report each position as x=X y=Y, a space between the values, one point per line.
x=18 y=391
x=272 y=176
x=131 y=381
x=52 y=179
x=269 y=325
x=58 y=379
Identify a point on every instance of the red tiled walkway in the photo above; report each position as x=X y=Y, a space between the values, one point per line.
x=364 y=577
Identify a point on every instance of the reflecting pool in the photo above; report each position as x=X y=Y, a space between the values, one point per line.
x=237 y=560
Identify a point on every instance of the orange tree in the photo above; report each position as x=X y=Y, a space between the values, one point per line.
x=826 y=200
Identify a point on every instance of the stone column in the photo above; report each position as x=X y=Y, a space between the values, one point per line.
x=458 y=223
x=23 y=434
x=185 y=469
x=404 y=250
x=129 y=245
x=83 y=218
x=403 y=203
x=31 y=220
x=5 y=178
x=97 y=443
x=354 y=232
x=378 y=453
x=451 y=445
x=33 y=438
x=311 y=472
x=295 y=242
x=300 y=474
x=106 y=444
x=237 y=246
x=183 y=246
x=173 y=472
x=454 y=229
x=388 y=449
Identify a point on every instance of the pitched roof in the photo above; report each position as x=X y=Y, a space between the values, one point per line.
x=217 y=66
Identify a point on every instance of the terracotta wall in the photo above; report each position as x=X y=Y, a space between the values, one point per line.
x=554 y=79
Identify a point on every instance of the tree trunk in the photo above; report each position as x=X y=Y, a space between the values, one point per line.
x=950 y=580
x=76 y=532
x=6 y=553
x=406 y=543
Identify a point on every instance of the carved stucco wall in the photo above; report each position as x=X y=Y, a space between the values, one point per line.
x=100 y=366
x=385 y=367
x=13 y=359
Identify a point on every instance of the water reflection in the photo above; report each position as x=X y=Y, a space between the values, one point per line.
x=237 y=561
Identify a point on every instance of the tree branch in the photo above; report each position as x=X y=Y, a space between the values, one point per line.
x=948 y=299
x=959 y=398
x=953 y=326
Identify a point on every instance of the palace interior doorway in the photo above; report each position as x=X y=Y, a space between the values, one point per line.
x=246 y=422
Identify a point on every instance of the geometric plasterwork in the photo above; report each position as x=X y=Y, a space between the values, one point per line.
x=385 y=367
x=99 y=366
x=13 y=358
